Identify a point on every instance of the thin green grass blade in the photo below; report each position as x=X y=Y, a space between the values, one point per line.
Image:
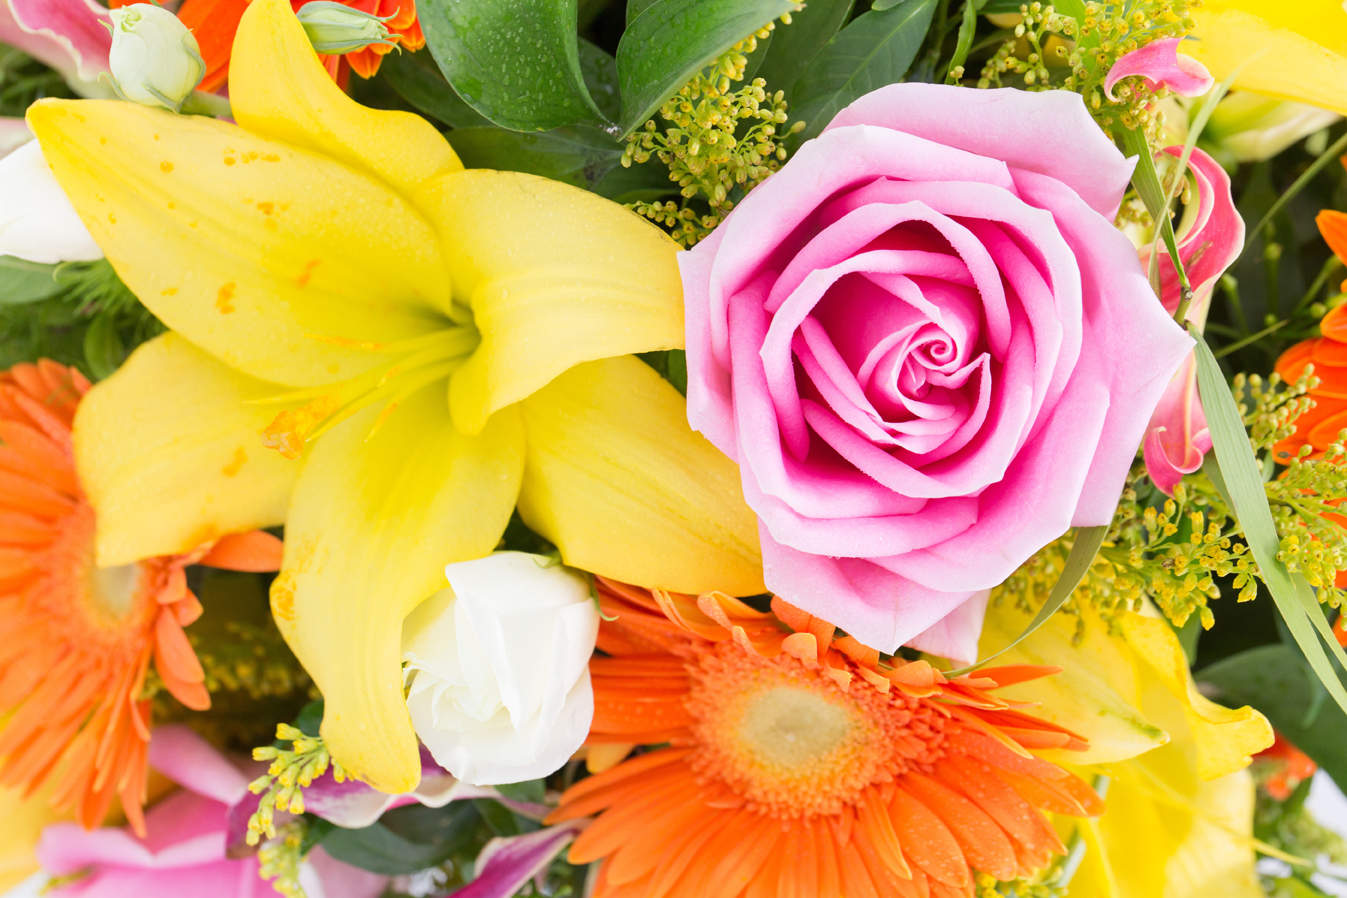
x=1078 y=561
x=1241 y=485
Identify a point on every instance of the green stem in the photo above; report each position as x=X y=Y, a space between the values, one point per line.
x=212 y=105
x=1324 y=274
x=1252 y=338
x=1325 y=157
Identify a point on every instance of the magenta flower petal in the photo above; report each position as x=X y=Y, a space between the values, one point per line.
x=1162 y=65
x=505 y=864
x=1209 y=244
x=929 y=351
x=68 y=35
x=1178 y=437
x=180 y=754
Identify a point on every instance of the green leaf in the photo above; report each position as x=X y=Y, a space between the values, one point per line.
x=378 y=849
x=1147 y=182
x=533 y=791
x=310 y=718
x=993 y=7
x=1078 y=561
x=103 y=348
x=875 y=50
x=636 y=7
x=576 y=155
x=497 y=816
x=600 y=73
x=1274 y=680
x=419 y=81
x=672 y=40
x=640 y=181
x=1241 y=484
x=405 y=840
x=516 y=62
x=22 y=282
x=794 y=45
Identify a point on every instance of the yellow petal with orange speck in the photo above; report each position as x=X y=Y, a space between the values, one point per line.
x=168 y=453
x=250 y=248
x=279 y=89
x=372 y=524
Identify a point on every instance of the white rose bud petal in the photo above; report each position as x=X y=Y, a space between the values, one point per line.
x=498 y=668
x=334 y=28
x=154 y=59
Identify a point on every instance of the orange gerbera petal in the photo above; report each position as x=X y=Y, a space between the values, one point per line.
x=76 y=640
x=801 y=765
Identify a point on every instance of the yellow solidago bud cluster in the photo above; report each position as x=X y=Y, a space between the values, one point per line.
x=1173 y=549
x=280 y=858
x=257 y=662
x=290 y=773
x=1304 y=504
x=704 y=148
x=988 y=887
x=1046 y=39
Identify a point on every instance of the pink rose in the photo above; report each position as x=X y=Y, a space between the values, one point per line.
x=930 y=352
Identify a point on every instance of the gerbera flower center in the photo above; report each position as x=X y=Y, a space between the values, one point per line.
x=792 y=741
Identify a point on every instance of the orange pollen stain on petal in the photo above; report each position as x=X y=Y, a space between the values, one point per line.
x=224 y=300
x=76 y=640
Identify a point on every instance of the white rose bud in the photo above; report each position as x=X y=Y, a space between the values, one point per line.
x=154 y=59
x=334 y=28
x=498 y=668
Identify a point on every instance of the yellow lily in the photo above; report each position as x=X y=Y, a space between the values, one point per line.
x=1289 y=49
x=1180 y=803
x=331 y=274
x=21 y=823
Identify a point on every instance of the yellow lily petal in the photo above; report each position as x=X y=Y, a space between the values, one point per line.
x=372 y=524
x=622 y=485
x=555 y=276
x=248 y=247
x=278 y=89
x=1196 y=844
x=1226 y=738
x=21 y=823
x=168 y=453
x=1097 y=694
x=1290 y=49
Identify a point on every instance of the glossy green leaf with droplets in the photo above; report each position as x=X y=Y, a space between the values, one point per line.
x=794 y=45
x=671 y=40
x=516 y=62
x=875 y=50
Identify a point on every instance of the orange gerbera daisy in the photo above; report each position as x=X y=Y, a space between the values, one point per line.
x=797 y=764
x=76 y=640
x=1320 y=425
x=214 y=23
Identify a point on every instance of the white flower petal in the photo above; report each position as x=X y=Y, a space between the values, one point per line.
x=37 y=222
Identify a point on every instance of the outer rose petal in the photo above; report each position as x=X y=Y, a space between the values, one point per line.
x=1161 y=65
x=1048 y=132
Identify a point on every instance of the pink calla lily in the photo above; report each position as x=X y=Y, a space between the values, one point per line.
x=183 y=851
x=504 y=865
x=352 y=804
x=1177 y=438
x=1162 y=65
x=68 y=35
